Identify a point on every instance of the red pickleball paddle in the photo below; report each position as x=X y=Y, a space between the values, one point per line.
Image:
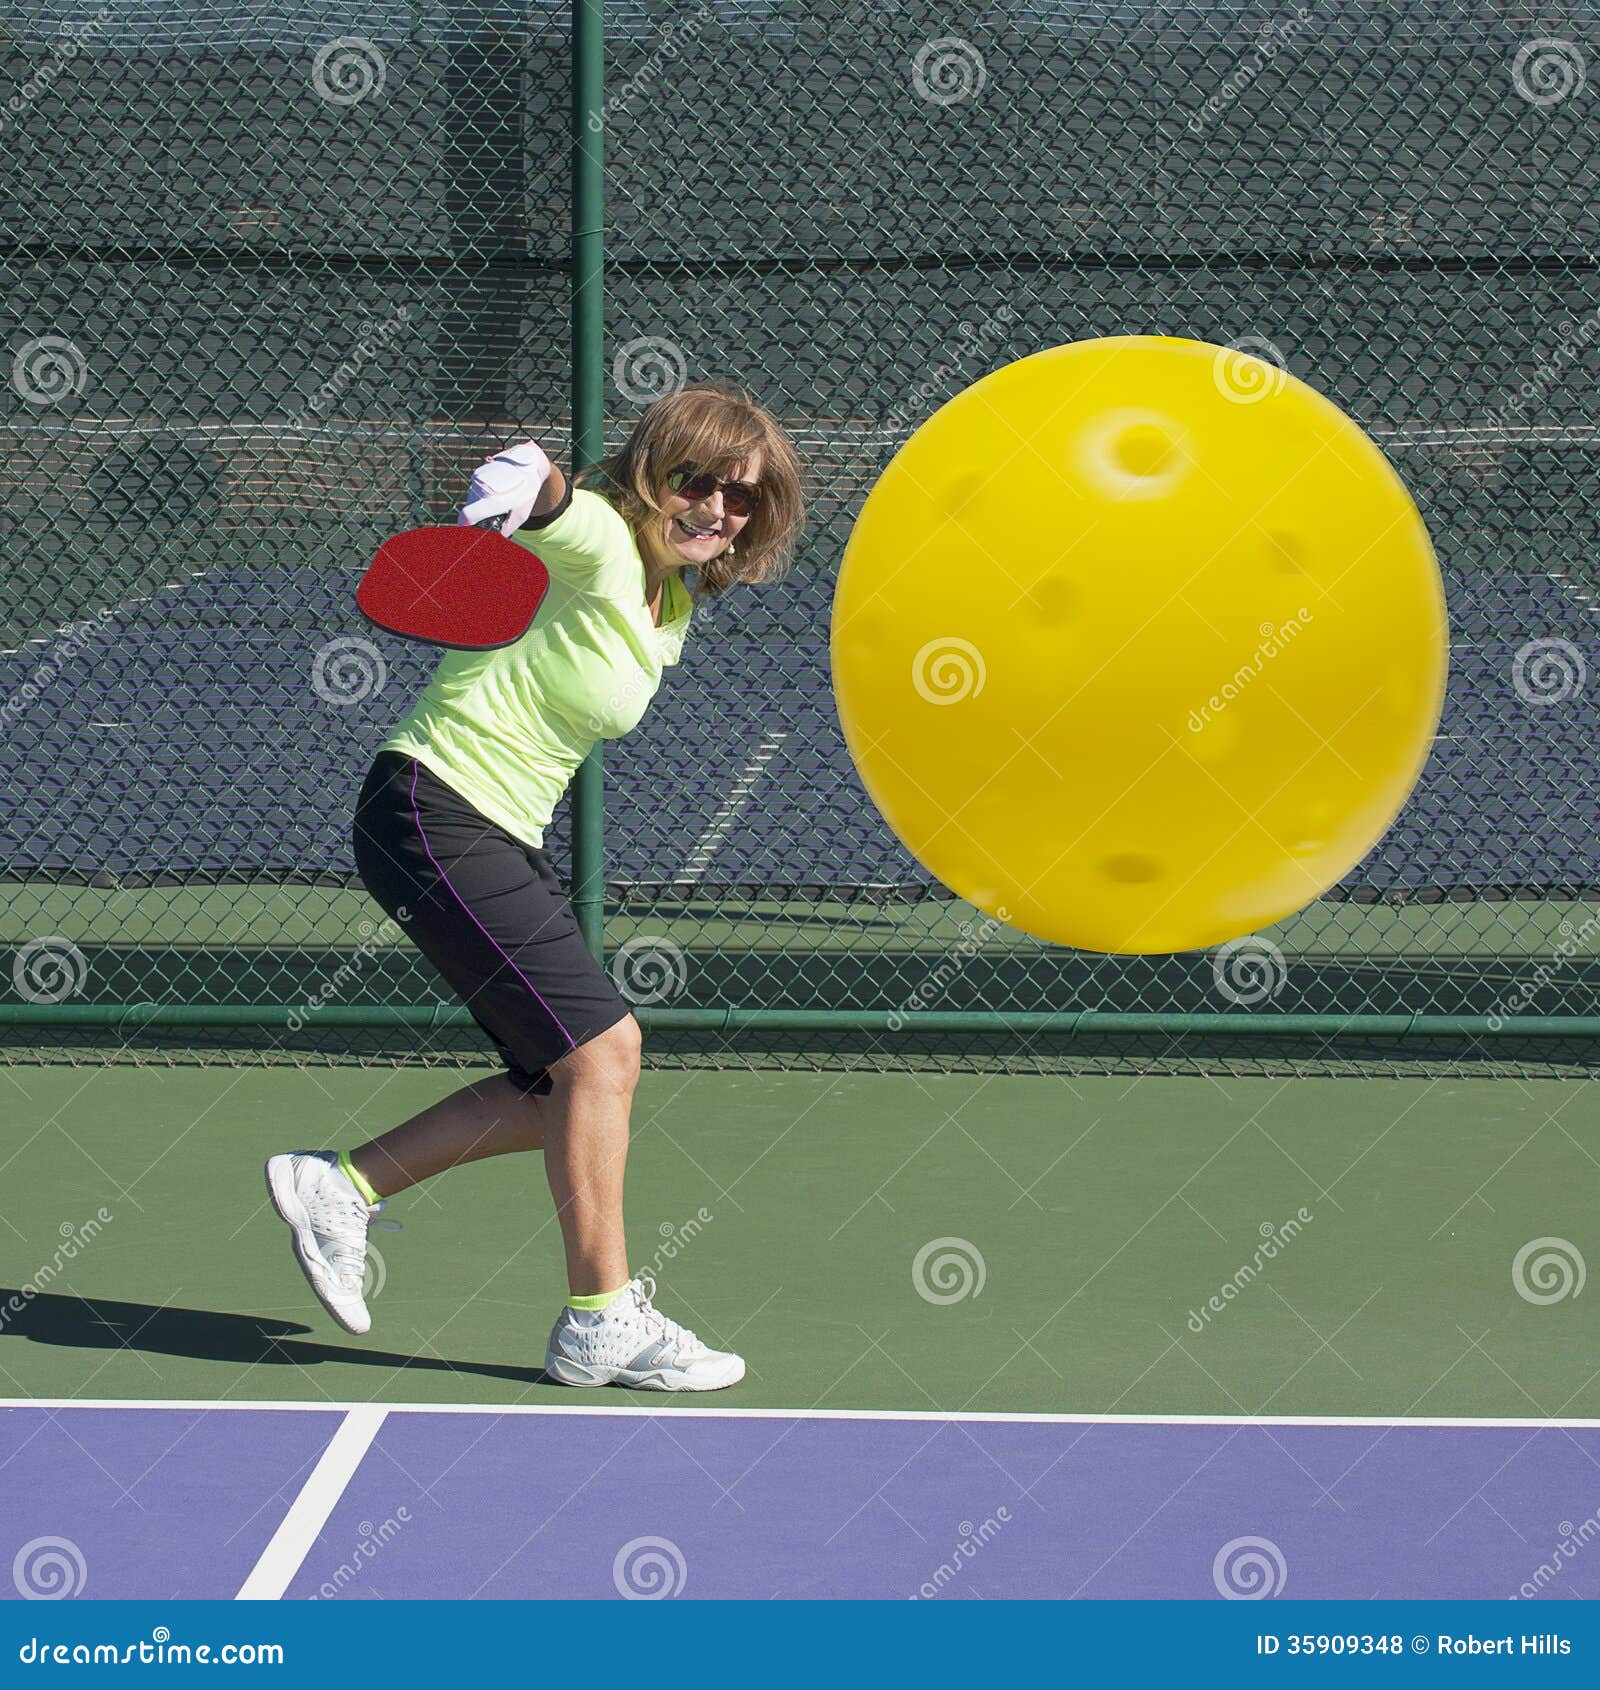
x=468 y=588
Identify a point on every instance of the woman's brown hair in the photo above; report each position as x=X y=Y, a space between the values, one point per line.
x=718 y=427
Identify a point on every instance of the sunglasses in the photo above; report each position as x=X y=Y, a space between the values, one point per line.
x=739 y=498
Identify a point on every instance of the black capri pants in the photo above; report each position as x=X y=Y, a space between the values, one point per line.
x=488 y=912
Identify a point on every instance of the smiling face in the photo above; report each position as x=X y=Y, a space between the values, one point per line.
x=697 y=530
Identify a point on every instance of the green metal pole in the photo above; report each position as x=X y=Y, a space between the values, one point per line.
x=588 y=406
x=1031 y=1024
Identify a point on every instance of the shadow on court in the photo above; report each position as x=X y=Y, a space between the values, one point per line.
x=96 y=1323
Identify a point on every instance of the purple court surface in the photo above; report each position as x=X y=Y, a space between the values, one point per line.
x=204 y=1500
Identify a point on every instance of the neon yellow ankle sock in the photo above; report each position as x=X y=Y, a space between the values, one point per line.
x=594 y=1304
x=358 y=1179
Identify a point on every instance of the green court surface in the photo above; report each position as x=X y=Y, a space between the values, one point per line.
x=1084 y=1225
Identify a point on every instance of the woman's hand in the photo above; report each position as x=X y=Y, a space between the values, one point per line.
x=509 y=485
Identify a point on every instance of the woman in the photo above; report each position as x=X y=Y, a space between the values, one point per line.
x=448 y=838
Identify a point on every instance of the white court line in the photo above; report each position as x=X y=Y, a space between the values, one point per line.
x=738 y=797
x=309 y=1512
x=956 y=1416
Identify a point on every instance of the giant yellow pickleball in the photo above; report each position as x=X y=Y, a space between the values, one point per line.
x=1139 y=644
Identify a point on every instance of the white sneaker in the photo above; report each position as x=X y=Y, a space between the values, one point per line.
x=632 y=1343
x=329 y=1217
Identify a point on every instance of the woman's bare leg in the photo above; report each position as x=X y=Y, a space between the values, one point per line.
x=586 y=1153
x=581 y=1125
x=486 y=1118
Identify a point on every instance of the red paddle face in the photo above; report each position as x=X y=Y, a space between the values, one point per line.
x=468 y=588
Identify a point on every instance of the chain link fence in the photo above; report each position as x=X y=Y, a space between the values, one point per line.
x=277 y=275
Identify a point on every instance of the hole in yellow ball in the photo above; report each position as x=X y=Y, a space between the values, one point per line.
x=1286 y=552
x=1144 y=450
x=1132 y=868
x=1054 y=599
